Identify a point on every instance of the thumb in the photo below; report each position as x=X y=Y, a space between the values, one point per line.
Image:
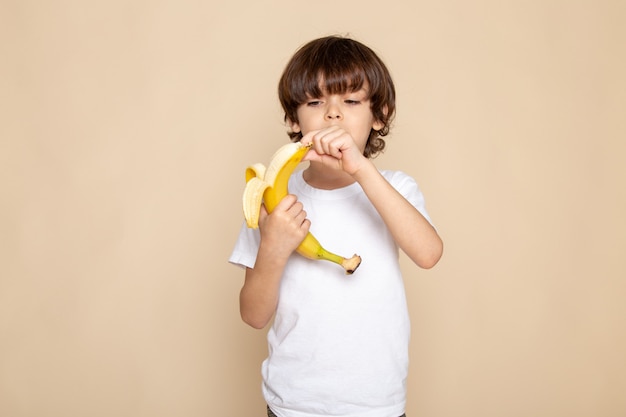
x=263 y=213
x=308 y=155
x=311 y=155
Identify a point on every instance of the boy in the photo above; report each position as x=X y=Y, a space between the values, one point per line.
x=338 y=345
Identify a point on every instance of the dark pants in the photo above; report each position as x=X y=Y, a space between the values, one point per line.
x=270 y=413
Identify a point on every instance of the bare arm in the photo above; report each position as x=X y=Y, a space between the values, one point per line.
x=336 y=149
x=411 y=231
x=259 y=295
x=281 y=233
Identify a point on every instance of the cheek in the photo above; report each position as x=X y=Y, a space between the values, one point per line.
x=308 y=121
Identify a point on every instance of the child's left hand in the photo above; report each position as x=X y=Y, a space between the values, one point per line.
x=335 y=148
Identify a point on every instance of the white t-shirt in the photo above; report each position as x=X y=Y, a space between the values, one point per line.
x=339 y=343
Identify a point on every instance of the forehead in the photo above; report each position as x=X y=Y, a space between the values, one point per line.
x=323 y=86
x=334 y=82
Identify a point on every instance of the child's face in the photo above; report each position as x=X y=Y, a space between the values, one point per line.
x=351 y=111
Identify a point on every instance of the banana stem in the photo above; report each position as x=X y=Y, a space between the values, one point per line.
x=311 y=248
x=348 y=264
x=351 y=264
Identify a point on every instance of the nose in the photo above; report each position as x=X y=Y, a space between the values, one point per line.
x=333 y=112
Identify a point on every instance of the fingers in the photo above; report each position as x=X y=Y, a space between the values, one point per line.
x=286 y=203
x=292 y=209
x=335 y=148
x=284 y=228
x=330 y=141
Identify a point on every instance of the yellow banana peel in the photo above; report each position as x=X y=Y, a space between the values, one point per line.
x=268 y=185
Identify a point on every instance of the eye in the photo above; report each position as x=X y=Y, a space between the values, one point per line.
x=313 y=103
x=352 y=102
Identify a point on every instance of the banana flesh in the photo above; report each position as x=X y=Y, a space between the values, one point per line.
x=268 y=185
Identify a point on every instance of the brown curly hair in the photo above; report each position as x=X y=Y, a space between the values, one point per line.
x=344 y=65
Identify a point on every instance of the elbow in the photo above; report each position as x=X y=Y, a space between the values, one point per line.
x=429 y=260
x=253 y=321
x=255 y=324
x=429 y=263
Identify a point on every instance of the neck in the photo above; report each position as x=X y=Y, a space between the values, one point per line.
x=324 y=178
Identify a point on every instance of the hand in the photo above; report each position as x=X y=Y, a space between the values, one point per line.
x=335 y=148
x=285 y=227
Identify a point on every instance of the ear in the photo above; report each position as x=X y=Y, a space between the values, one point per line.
x=295 y=127
x=377 y=125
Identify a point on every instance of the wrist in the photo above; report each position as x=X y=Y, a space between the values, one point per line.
x=366 y=169
x=276 y=255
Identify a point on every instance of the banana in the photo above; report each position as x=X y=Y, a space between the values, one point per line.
x=269 y=185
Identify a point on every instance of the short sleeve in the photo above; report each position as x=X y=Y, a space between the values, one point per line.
x=408 y=187
x=246 y=247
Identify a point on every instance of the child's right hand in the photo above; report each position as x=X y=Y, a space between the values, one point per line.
x=285 y=227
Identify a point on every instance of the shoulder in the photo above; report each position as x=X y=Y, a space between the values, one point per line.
x=408 y=187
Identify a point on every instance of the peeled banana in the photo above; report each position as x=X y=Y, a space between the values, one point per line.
x=268 y=185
